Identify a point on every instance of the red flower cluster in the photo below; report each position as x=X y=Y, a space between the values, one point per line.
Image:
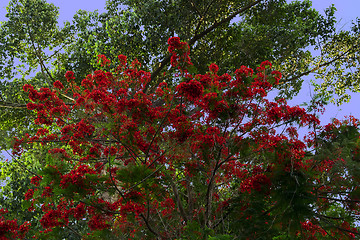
x=97 y=222
x=213 y=68
x=79 y=211
x=53 y=218
x=35 y=180
x=180 y=53
x=192 y=89
x=58 y=84
x=29 y=194
x=122 y=59
x=69 y=75
x=174 y=43
x=311 y=229
x=77 y=177
x=9 y=229
x=257 y=182
x=103 y=61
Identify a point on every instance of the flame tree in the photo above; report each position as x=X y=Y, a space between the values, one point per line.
x=206 y=156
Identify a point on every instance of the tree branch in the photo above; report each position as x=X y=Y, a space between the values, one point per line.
x=315 y=68
x=209 y=193
x=225 y=20
x=73 y=230
x=156 y=72
x=196 y=9
x=176 y=193
x=22 y=165
x=43 y=67
x=202 y=17
x=329 y=217
x=339 y=200
x=12 y=105
x=340 y=228
x=148 y=226
x=158 y=129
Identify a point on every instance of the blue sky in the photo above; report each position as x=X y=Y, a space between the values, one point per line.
x=347 y=10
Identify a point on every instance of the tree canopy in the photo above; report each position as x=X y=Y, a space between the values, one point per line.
x=227 y=32
x=155 y=145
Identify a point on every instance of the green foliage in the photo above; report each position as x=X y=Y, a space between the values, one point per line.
x=293 y=200
x=15 y=119
x=17 y=183
x=31 y=29
x=194 y=230
x=341 y=76
x=29 y=41
x=221 y=237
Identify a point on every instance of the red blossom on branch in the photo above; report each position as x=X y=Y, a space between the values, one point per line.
x=58 y=84
x=213 y=68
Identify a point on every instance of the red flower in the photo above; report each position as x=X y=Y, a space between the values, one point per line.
x=31 y=106
x=244 y=71
x=261 y=182
x=69 y=75
x=51 y=219
x=58 y=84
x=192 y=90
x=97 y=222
x=35 y=180
x=47 y=192
x=213 y=68
x=26 y=87
x=180 y=53
x=122 y=59
x=3 y=211
x=79 y=211
x=29 y=194
x=42 y=132
x=277 y=76
x=266 y=64
x=174 y=43
x=103 y=60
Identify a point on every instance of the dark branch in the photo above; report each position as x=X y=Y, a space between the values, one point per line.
x=12 y=105
x=315 y=68
x=148 y=225
x=225 y=20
